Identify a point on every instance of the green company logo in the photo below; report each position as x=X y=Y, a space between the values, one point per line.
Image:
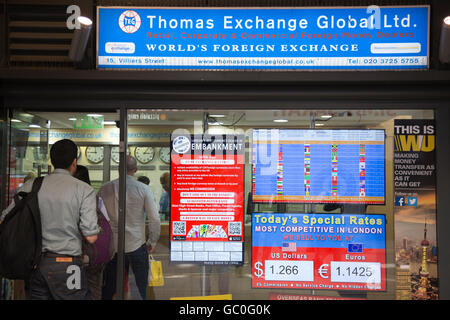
x=88 y=122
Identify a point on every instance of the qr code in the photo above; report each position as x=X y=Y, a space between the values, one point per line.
x=234 y=228
x=179 y=228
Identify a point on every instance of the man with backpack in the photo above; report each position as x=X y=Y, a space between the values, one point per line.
x=67 y=208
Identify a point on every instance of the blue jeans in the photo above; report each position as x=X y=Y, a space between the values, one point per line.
x=139 y=263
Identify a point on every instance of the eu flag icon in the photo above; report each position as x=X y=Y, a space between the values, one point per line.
x=355 y=248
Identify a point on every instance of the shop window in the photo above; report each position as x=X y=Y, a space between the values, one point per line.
x=360 y=185
x=291 y=204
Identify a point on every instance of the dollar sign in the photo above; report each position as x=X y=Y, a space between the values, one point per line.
x=259 y=272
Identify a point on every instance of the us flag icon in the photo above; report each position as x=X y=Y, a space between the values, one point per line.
x=289 y=247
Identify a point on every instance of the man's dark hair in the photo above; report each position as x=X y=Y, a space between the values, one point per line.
x=62 y=153
x=144 y=180
x=165 y=181
x=82 y=174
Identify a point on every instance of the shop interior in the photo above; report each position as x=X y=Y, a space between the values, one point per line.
x=32 y=133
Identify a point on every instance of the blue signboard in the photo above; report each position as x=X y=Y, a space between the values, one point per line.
x=263 y=38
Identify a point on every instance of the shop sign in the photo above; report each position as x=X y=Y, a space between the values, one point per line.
x=143 y=114
x=318 y=251
x=305 y=297
x=207 y=198
x=416 y=253
x=263 y=38
x=88 y=122
x=108 y=135
x=303 y=114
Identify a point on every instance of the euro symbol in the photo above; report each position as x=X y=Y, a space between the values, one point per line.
x=323 y=271
x=259 y=272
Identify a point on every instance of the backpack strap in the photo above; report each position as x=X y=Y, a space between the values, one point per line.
x=18 y=196
x=37 y=221
x=37 y=183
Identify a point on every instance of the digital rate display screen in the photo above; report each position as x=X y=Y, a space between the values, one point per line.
x=318 y=166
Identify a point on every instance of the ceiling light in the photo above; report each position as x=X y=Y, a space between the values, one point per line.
x=217 y=115
x=444 y=44
x=447 y=20
x=319 y=124
x=80 y=39
x=280 y=120
x=34 y=126
x=72 y=119
x=326 y=116
x=109 y=122
x=94 y=115
x=85 y=21
x=15 y=120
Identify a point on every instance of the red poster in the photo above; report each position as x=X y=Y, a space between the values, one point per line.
x=207 y=199
x=15 y=182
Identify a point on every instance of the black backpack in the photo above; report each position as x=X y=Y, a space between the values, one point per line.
x=21 y=236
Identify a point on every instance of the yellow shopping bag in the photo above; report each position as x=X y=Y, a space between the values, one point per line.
x=156 y=277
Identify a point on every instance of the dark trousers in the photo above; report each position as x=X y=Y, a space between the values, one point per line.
x=59 y=278
x=95 y=281
x=139 y=263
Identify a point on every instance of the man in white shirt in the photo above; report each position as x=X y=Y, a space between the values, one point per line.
x=139 y=202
